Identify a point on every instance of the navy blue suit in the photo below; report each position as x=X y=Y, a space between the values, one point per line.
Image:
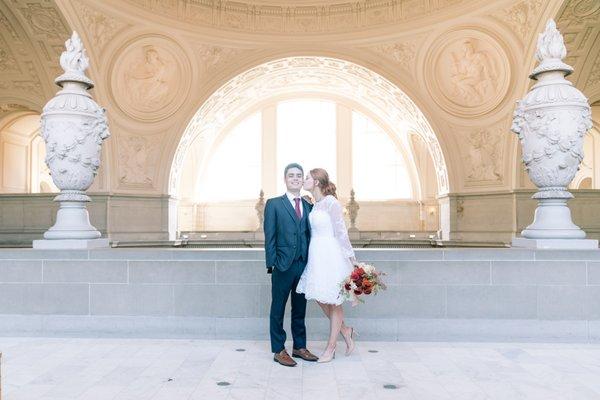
x=286 y=251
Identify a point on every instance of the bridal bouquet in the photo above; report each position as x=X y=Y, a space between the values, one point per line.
x=365 y=279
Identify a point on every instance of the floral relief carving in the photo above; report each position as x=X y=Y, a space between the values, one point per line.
x=138 y=157
x=101 y=27
x=214 y=57
x=484 y=155
x=402 y=52
x=521 y=17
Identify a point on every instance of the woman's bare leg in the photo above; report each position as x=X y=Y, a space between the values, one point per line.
x=327 y=311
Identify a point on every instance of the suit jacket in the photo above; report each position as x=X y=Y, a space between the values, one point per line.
x=286 y=237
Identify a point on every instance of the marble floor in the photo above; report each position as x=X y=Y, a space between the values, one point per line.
x=82 y=368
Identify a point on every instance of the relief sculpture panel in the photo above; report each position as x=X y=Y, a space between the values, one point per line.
x=469 y=73
x=150 y=78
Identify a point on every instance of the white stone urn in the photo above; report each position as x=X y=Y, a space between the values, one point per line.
x=551 y=121
x=73 y=127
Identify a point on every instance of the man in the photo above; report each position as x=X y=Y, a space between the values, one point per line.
x=287 y=234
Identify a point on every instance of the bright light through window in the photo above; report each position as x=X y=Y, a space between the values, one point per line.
x=306 y=135
x=379 y=170
x=234 y=170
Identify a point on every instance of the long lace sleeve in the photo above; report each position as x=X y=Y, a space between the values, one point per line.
x=339 y=226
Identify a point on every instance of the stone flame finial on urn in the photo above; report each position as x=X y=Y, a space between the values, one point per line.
x=73 y=126
x=551 y=121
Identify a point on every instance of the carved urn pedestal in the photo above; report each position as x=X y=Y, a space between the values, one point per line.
x=73 y=127
x=551 y=121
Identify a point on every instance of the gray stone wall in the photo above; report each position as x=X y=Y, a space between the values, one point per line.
x=471 y=294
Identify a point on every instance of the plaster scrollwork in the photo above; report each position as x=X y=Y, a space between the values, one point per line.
x=401 y=52
x=150 y=78
x=29 y=83
x=301 y=74
x=44 y=21
x=585 y=8
x=101 y=27
x=521 y=17
x=594 y=78
x=138 y=158
x=212 y=57
x=579 y=24
x=4 y=22
x=470 y=72
x=8 y=62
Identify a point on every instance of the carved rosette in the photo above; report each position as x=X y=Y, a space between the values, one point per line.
x=73 y=126
x=551 y=121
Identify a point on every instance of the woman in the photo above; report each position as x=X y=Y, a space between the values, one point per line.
x=330 y=259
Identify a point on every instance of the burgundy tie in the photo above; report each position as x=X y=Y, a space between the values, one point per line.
x=298 y=214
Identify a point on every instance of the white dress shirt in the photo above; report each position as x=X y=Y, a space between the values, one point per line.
x=291 y=197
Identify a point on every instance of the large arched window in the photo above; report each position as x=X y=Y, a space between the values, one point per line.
x=306 y=135
x=379 y=170
x=233 y=171
x=327 y=133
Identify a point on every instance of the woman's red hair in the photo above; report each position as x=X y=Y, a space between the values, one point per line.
x=327 y=187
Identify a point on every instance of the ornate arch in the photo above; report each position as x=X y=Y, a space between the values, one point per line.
x=317 y=74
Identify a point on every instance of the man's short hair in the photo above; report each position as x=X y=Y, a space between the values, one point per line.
x=293 y=165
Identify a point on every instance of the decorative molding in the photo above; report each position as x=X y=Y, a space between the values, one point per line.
x=8 y=62
x=521 y=18
x=100 y=27
x=578 y=23
x=44 y=21
x=401 y=52
x=213 y=58
x=594 y=78
x=31 y=41
x=287 y=17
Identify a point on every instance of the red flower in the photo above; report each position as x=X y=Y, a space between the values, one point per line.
x=357 y=292
x=368 y=291
x=347 y=286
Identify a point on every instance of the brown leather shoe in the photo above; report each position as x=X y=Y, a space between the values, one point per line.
x=304 y=354
x=284 y=358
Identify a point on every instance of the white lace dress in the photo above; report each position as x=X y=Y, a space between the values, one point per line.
x=329 y=253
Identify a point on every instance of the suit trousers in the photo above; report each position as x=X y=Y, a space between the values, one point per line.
x=282 y=283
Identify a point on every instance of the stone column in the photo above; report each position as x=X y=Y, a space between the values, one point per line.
x=270 y=173
x=551 y=121
x=344 y=150
x=73 y=127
